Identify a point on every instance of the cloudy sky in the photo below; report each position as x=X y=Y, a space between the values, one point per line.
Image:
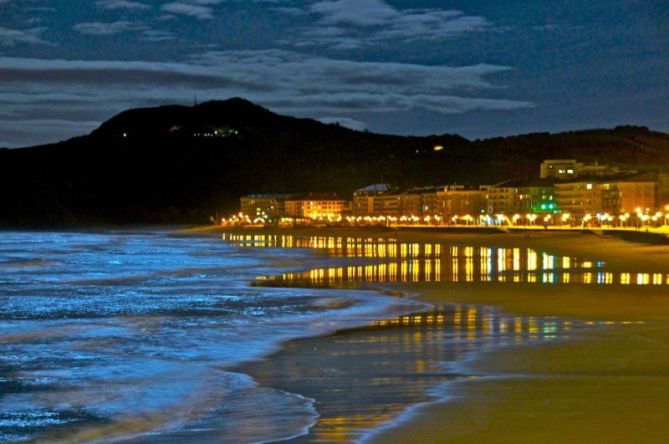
x=479 y=68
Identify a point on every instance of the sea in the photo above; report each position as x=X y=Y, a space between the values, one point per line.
x=147 y=336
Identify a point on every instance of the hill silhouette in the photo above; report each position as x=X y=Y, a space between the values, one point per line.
x=180 y=164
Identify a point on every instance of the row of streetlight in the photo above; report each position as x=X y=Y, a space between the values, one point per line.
x=638 y=219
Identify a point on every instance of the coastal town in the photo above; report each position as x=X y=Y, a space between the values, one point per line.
x=566 y=193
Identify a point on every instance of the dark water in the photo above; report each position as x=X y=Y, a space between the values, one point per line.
x=146 y=337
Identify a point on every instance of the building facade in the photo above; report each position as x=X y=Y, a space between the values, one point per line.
x=615 y=197
x=569 y=169
x=313 y=207
x=375 y=200
x=261 y=205
x=460 y=200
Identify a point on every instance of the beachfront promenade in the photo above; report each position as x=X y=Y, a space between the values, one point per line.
x=596 y=229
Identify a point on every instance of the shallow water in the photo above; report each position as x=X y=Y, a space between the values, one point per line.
x=116 y=336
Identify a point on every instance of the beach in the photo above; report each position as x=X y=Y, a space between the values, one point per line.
x=332 y=335
x=607 y=383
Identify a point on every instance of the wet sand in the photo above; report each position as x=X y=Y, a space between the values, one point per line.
x=608 y=384
x=603 y=385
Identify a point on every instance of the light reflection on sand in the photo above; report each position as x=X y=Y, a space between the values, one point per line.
x=363 y=379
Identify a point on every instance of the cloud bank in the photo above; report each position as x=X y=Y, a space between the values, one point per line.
x=284 y=81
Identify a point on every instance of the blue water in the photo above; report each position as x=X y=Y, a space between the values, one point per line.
x=132 y=336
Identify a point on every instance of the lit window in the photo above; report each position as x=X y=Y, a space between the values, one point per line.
x=589 y=186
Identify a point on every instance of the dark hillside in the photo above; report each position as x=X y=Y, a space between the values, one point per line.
x=177 y=164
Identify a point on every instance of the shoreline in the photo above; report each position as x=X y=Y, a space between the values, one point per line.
x=639 y=315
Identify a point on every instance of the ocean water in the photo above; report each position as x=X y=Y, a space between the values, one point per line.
x=148 y=337
x=135 y=336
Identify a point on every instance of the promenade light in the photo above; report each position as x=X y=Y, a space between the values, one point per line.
x=587 y=217
x=516 y=217
x=565 y=217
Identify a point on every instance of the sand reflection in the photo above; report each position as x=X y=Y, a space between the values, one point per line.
x=363 y=378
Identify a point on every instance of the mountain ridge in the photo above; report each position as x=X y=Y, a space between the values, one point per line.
x=181 y=164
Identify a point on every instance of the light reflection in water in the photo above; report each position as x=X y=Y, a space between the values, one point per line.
x=434 y=262
x=398 y=361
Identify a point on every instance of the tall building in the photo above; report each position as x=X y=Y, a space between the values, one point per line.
x=613 y=197
x=259 y=205
x=538 y=199
x=561 y=169
x=569 y=169
x=376 y=200
x=502 y=199
x=315 y=206
x=521 y=197
x=635 y=194
x=460 y=200
x=420 y=201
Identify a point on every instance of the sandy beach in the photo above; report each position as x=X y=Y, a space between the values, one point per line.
x=609 y=383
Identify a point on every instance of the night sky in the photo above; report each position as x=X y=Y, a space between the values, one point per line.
x=477 y=68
